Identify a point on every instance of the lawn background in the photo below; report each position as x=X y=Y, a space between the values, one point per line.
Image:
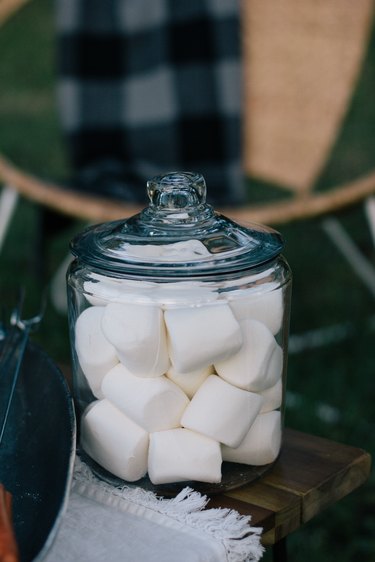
x=331 y=389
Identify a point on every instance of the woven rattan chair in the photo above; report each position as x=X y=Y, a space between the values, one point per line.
x=301 y=64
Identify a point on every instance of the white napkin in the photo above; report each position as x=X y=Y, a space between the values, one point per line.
x=129 y=524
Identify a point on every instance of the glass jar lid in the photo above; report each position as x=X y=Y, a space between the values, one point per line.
x=177 y=235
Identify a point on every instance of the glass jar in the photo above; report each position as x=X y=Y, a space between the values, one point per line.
x=179 y=326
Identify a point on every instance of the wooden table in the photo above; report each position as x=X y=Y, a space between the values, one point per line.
x=310 y=474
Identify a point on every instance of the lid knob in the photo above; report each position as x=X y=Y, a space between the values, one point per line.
x=177 y=191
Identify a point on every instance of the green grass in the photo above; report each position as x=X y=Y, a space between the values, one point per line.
x=28 y=110
x=338 y=379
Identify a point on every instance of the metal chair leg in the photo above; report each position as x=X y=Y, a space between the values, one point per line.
x=8 y=202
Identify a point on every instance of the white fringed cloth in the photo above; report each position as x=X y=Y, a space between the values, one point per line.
x=130 y=524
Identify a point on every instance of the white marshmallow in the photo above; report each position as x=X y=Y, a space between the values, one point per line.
x=114 y=441
x=139 y=336
x=190 y=382
x=267 y=308
x=170 y=296
x=272 y=397
x=101 y=290
x=199 y=336
x=153 y=403
x=222 y=411
x=262 y=443
x=96 y=355
x=90 y=295
x=179 y=454
x=259 y=363
x=186 y=250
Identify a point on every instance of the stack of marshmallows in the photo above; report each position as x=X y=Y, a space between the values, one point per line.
x=180 y=387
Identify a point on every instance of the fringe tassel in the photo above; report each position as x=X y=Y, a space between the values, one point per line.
x=240 y=539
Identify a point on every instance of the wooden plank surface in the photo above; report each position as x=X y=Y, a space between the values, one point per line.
x=310 y=474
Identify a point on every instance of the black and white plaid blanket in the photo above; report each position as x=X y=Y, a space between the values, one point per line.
x=150 y=86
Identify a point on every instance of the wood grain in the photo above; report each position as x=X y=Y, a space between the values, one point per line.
x=310 y=474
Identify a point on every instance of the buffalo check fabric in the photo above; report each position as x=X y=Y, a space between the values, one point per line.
x=151 y=86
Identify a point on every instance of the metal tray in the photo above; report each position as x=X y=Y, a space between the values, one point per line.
x=37 y=452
